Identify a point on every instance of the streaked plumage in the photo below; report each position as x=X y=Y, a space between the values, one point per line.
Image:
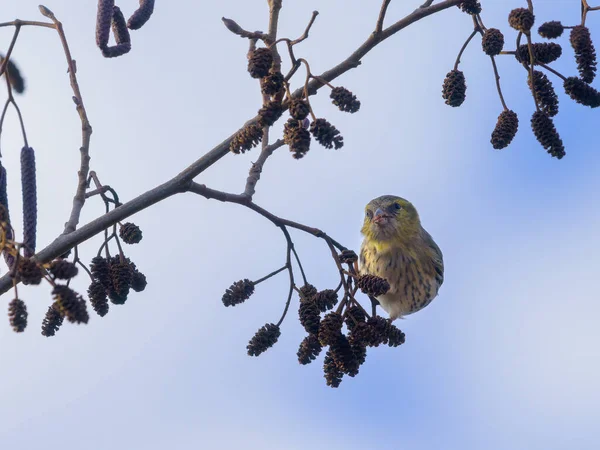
x=396 y=247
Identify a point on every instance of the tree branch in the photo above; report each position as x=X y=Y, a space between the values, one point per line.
x=257 y=167
x=381 y=18
x=183 y=181
x=354 y=60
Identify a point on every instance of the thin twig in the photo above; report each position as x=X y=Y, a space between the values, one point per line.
x=497 y=77
x=381 y=18
x=209 y=193
x=288 y=263
x=308 y=27
x=272 y=274
x=10 y=48
x=555 y=72
x=299 y=264
x=464 y=46
x=257 y=167
x=86 y=128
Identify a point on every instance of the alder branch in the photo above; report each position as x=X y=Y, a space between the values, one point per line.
x=183 y=181
x=257 y=167
x=354 y=60
x=86 y=128
x=381 y=18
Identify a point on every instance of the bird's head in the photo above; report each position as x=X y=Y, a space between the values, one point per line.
x=389 y=218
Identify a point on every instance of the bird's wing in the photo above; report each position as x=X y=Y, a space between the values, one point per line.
x=436 y=256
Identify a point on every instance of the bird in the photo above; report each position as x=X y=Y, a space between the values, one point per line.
x=396 y=247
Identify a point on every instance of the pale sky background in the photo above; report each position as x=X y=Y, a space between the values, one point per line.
x=507 y=356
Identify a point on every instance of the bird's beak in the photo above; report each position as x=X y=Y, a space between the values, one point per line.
x=379 y=216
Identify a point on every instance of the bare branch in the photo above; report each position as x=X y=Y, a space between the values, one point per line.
x=257 y=167
x=10 y=48
x=354 y=60
x=86 y=129
x=182 y=182
x=381 y=18
x=308 y=27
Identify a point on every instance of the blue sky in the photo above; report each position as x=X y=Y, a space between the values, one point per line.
x=505 y=357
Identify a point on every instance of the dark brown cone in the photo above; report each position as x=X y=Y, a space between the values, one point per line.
x=296 y=137
x=360 y=353
x=70 y=304
x=138 y=281
x=247 y=138
x=29 y=271
x=307 y=292
x=121 y=275
x=272 y=84
x=264 y=339
x=330 y=329
x=326 y=299
x=546 y=134
x=260 y=62
x=63 y=270
x=116 y=298
x=238 y=292
x=543 y=53
x=119 y=27
x=103 y=22
x=585 y=53
x=548 y=101
x=10 y=260
x=101 y=271
x=326 y=134
x=360 y=333
x=345 y=100
x=308 y=313
x=394 y=335
x=343 y=355
x=29 y=192
x=299 y=109
x=492 y=42
x=379 y=329
x=373 y=285
x=582 y=92
x=454 y=88
x=98 y=299
x=470 y=7
x=309 y=349
x=17 y=315
x=333 y=375
x=141 y=15
x=551 y=30
x=353 y=316
x=52 y=321
x=521 y=19
x=348 y=257
x=130 y=233
x=506 y=129
x=269 y=113
x=14 y=76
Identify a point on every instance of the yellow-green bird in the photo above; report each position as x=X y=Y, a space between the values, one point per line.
x=396 y=247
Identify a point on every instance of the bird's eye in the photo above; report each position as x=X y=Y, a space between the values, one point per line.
x=397 y=206
x=369 y=213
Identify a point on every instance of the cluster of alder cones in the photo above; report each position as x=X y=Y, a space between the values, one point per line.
x=347 y=331
x=538 y=54
x=110 y=279
x=298 y=129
